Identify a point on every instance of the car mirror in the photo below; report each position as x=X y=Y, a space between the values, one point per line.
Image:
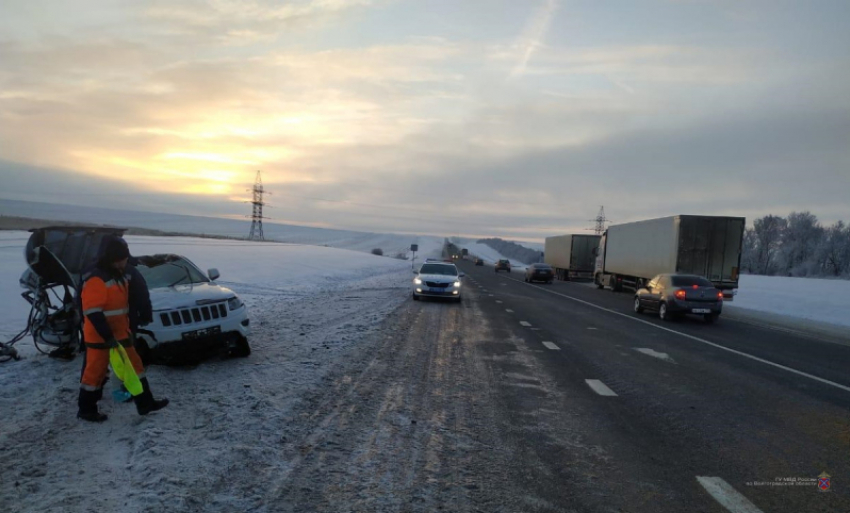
x=415 y=271
x=461 y=275
x=213 y=274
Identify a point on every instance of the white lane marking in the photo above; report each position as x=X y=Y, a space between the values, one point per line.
x=600 y=388
x=651 y=352
x=525 y=323
x=491 y=295
x=703 y=341
x=498 y=302
x=591 y=328
x=550 y=345
x=509 y=310
x=535 y=329
x=728 y=497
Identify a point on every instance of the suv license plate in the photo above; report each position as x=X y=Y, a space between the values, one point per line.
x=701 y=310
x=206 y=332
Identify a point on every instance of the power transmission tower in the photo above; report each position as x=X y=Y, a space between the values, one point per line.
x=257 y=213
x=600 y=221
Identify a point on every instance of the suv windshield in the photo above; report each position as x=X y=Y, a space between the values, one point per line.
x=445 y=270
x=169 y=270
x=690 y=281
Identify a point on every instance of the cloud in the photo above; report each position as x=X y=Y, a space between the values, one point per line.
x=417 y=133
x=534 y=34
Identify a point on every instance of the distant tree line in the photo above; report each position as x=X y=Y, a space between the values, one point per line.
x=796 y=245
x=512 y=250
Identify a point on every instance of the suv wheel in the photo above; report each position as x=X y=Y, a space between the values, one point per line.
x=241 y=349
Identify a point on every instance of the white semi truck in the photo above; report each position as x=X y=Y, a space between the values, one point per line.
x=571 y=256
x=631 y=254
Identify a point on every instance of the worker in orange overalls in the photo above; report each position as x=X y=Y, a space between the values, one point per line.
x=106 y=325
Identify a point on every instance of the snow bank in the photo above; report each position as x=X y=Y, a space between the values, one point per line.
x=806 y=298
x=217 y=446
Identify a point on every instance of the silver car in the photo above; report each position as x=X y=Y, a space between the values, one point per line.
x=678 y=294
x=437 y=279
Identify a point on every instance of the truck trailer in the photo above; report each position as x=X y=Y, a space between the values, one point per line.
x=571 y=256
x=631 y=254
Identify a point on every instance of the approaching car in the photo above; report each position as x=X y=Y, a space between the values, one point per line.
x=503 y=265
x=437 y=280
x=193 y=317
x=479 y=261
x=678 y=294
x=539 y=272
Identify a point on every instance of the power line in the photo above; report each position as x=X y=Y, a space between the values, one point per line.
x=256 y=232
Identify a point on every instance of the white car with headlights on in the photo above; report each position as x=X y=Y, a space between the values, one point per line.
x=193 y=316
x=437 y=279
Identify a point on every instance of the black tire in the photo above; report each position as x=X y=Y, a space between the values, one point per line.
x=663 y=314
x=598 y=280
x=638 y=306
x=415 y=297
x=458 y=299
x=711 y=318
x=242 y=349
x=614 y=285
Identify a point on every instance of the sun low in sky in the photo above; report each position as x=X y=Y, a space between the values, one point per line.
x=503 y=117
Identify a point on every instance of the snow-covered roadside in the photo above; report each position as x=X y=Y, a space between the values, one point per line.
x=804 y=298
x=213 y=447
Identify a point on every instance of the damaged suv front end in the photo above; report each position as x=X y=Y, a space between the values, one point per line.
x=193 y=316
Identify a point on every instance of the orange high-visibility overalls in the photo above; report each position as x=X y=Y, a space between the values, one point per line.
x=106 y=294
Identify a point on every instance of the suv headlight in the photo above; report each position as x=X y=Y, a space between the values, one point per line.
x=417 y=281
x=234 y=303
x=457 y=284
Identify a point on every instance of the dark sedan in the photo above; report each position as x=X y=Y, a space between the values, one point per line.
x=539 y=272
x=673 y=295
x=503 y=265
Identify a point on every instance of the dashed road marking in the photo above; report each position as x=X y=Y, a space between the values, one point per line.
x=491 y=295
x=651 y=352
x=535 y=329
x=509 y=310
x=600 y=388
x=726 y=496
x=700 y=340
x=498 y=302
x=591 y=328
x=550 y=345
x=525 y=323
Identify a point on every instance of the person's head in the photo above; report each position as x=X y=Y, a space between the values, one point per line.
x=115 y=255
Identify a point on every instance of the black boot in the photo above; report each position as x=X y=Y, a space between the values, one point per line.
x=88 y=406
x=145 y=403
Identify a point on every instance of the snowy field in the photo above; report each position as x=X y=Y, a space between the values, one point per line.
x=391 y=243
x=806 y=298
x=309 y=307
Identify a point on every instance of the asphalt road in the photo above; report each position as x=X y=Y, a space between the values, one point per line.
x=741 y=410
x=558 y=398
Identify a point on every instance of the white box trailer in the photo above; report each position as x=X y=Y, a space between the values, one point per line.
x=571 y=256
x=631 y=254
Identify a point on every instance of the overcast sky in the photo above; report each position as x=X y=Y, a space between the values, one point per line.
x=513 y=118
